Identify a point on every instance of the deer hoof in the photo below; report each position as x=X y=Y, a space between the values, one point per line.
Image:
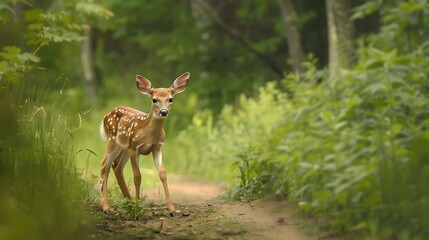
x=107 y=212
x=172 y=214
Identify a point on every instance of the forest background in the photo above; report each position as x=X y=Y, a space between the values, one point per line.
x=323 y=103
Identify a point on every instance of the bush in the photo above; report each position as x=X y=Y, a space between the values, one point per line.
x=349 y=149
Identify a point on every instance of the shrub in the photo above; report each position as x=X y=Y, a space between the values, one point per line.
x=350 y=148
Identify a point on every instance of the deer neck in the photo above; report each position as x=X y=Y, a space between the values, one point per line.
x=155 y=123
x=152 y=129
x=150 y=133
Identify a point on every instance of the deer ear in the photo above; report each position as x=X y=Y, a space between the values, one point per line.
x=179 y=85
x=143 y=85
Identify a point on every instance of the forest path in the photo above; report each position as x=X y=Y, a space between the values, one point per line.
x=203 y=215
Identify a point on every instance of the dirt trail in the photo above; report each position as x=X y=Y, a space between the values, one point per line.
x=202 y=215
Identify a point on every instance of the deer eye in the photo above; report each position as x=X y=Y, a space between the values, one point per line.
x=154 y=100
x=170 y=100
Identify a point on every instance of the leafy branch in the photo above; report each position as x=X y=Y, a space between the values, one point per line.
x=44 y=28
x=234 y=33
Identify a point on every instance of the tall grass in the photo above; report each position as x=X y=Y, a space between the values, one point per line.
x=41 y=191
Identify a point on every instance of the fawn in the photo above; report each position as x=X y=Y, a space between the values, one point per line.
x=131 y=132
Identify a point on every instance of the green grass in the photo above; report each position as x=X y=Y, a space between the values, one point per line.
x=41 y=191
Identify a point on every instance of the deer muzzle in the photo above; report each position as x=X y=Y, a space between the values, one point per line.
x=163 y=112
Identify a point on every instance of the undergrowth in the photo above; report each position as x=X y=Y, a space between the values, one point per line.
x=350 y=148
x=42 y=193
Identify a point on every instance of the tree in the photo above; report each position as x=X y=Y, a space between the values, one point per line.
x=340 y=34
x=88 y=68
x=234 y=33
x=290 y=22
x=50 y=26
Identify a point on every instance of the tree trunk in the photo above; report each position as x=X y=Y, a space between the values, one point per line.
x=290 y=22
x=88 y=67
x=340 y=35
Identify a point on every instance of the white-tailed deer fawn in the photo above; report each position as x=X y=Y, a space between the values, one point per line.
x=131 y=132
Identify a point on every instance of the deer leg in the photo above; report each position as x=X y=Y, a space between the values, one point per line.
x=104 y=176
x=121 y=160
x=157 y=157
x=136 y=170
x=105 y=169
x=103 y=183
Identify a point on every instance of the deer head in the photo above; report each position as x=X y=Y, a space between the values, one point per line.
x=162 y=98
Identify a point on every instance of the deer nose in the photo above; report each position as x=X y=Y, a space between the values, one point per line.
x=163 y=112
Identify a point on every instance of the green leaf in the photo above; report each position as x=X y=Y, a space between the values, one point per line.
x=35 y=26
x=305 y=165
x=10 y=53
x=322 y=195
x=374 y=63
x=5 y=13
x=94 y=9
x=62 y=35
x=327 y=116
x=24 y=57
x=339 y=125
x=396 y=129
x=342 y=187
x=360 y=226
x=33 y=15
x=402 y=152
x=376 y=87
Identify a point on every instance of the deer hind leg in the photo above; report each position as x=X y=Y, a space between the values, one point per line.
x=121 y=160
x=136 y=170
x=105 y=169
x=157 y=158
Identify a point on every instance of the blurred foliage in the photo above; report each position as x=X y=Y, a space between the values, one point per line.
x=348 y=149
x=162 y=39
x=41 y=191
x=40 y=27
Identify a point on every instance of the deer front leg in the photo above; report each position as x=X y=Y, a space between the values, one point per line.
x=157 y=158
x=136 y=170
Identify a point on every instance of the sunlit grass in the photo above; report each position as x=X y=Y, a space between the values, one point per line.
x=41 y=191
